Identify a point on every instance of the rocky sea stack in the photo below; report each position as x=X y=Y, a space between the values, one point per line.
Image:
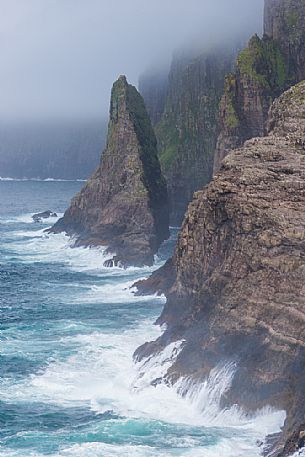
x=236 y=282
x=124 y=204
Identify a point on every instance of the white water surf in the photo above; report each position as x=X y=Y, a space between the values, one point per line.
x=101 y=374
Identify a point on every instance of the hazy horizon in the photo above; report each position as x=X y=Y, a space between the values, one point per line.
x=60 y=57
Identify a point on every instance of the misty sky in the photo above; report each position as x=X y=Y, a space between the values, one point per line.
x=60 y=57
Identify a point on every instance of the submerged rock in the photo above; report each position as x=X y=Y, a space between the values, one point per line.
x=239 y=267
x=124 y=203
x=44 y=215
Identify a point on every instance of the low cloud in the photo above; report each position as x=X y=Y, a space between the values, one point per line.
x=59 y=58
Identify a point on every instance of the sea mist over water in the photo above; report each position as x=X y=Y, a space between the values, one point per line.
x=59 y=149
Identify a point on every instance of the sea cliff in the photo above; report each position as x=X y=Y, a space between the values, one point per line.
x=267 y=67
x=188 y=129
x=235 y=289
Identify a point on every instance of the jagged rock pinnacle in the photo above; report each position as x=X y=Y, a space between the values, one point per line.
x=124 y=203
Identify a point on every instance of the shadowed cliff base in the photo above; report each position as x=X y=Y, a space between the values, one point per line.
x=239 y=273
x=124 y=204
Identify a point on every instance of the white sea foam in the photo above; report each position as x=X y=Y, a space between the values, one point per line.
x=28 y=219
x=101 y=373
x=39 y=246
x=228 y=448
x=205 y=397
x=40 y=180
x=6 y=179
x=156 y=367
x=111 y=293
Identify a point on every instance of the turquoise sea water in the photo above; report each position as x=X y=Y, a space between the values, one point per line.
x=68 y=330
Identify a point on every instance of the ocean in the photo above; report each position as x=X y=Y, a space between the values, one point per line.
x=68 y=329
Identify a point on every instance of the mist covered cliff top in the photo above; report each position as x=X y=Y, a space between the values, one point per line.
x=59 y=57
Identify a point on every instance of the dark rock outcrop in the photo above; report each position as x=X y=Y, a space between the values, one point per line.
x=124 y=204
x=239 y=268
x=44 y=215
x=159 y=282
x=266 y=68
x=188 y=129
x=294 y=442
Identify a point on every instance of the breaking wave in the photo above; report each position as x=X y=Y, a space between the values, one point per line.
x=68 y=383
x=41 y=179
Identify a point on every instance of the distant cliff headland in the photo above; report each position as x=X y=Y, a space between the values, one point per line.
x=51 y=149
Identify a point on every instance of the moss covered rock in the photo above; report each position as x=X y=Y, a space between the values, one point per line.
x=188 y=129
x=266 y=68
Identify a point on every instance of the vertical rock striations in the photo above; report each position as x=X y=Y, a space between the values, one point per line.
x=153 y=88
x=266 y=68
x=124 y=203
x=188 y=129
x=285 y=24
x=238 y=290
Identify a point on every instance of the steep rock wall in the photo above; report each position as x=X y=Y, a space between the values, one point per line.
x=266 y=68
x=188 y=129
x=285 y=23
x=238 y=290
x=153 y=88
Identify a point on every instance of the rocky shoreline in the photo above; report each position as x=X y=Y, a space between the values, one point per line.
x=239 y=274
x=235 y=286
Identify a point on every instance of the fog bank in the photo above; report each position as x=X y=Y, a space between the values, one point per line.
x=59 y=58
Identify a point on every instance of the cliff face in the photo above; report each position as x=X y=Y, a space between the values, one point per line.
x=263 y=71
x=285 y=24
x=238 y=290
x=124 y=203
x=153 y=88
x=188 y=129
